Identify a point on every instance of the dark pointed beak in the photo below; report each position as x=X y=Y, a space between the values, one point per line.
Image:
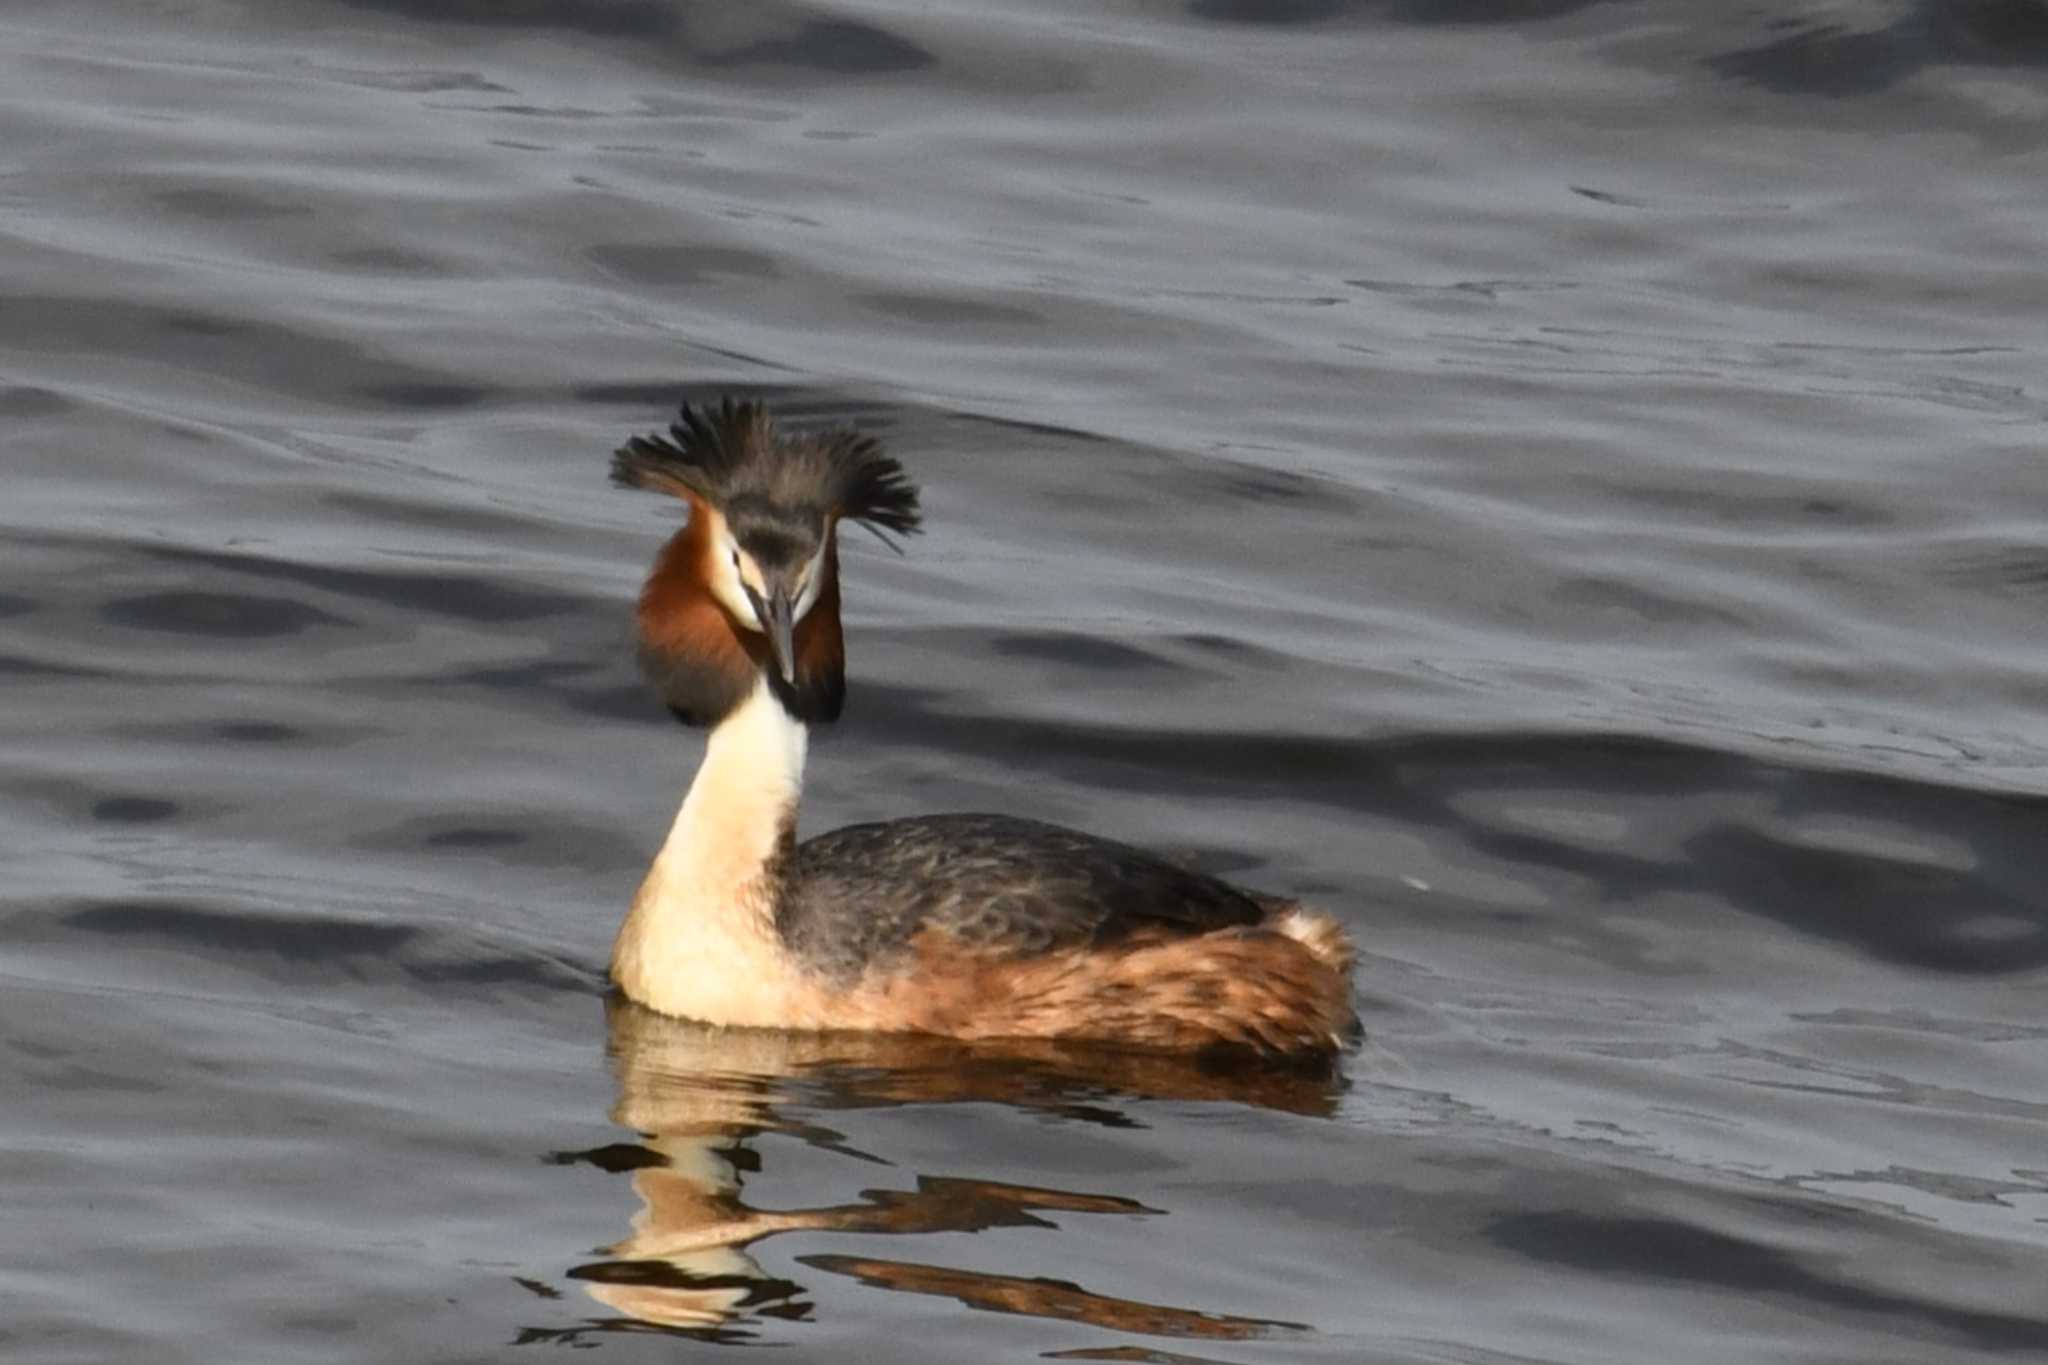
x=778 y=618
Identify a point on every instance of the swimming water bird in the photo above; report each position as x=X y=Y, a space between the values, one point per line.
x=972 y=926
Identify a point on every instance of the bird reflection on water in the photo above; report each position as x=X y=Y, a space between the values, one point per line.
x=698 y=1095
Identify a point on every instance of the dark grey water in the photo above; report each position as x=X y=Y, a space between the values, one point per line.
x=1559 y=484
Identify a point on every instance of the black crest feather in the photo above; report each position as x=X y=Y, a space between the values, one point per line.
x=871 y=487
x=734 y=454
x=701 y=453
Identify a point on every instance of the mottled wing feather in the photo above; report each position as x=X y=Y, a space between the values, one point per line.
x=1009 y=887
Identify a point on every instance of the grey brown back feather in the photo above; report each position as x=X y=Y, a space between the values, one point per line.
x=855 y=898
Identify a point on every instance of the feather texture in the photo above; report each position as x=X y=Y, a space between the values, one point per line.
x=733 y=458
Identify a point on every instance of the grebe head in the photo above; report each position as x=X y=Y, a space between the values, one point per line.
x=750 y=587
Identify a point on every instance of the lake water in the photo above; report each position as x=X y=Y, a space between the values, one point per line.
x=1560 y=485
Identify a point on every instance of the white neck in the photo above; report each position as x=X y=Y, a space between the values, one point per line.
x=700 y=940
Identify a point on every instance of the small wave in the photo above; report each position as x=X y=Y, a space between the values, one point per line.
x=312 y=952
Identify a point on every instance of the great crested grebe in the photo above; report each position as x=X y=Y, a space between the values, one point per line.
x=973 y=926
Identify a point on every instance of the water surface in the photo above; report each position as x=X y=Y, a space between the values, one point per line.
x=1558 y=484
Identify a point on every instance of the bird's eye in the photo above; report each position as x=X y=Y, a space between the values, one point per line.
x=735 y=557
